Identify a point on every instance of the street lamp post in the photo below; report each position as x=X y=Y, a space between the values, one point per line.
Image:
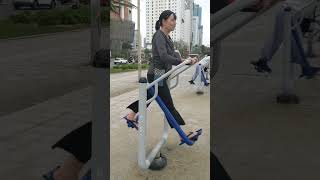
x=139 y=41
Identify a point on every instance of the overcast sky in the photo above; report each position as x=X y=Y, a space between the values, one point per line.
x=205 y=5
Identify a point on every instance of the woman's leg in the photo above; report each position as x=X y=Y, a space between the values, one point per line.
x=298 y=56
x=271 y=46
x=69 y=170
x=195 y=74
x=297 y=50
x=134 y=107
x=78 y=144
x=165 y=95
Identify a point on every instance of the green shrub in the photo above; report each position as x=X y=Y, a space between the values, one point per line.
x=24 y=17
x=68 y=19
x=48 y=18
x=124 y=67
x=54 y=16
x=131 y=66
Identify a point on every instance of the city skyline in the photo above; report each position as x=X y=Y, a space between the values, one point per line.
x=205 y=21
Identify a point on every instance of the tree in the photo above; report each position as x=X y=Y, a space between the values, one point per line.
x=196 y=50
x=126 y=46
x=147 y=53
x=182 y=47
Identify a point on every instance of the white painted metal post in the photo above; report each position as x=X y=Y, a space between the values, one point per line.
x=142 y=123
x=287 y=96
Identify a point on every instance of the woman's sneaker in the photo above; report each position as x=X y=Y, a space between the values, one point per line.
x=261 y=66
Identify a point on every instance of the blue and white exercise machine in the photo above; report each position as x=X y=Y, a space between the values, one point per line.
x=155 y=160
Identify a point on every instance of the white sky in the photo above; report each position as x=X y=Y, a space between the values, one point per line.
x=205 y=5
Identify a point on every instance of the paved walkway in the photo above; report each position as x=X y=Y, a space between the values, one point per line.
x=39 y=68
x=254 y=137
x=124 y=82
x=27 y=135
x=184 y=162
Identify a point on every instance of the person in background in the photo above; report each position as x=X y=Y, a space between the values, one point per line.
x=273 y=44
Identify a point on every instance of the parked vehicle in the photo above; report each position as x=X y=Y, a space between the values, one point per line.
x=120 y=61
x=35 y=4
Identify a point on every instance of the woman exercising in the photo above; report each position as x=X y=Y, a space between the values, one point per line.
x=163 y=57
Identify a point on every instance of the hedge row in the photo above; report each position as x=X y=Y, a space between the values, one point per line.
x=65 y=16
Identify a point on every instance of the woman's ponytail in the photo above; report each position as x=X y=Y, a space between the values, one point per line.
x=158 y=25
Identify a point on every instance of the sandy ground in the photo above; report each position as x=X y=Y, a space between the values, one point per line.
x=184 y=162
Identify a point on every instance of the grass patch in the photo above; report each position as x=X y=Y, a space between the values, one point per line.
x=29 y=23
x=11 y=30
x=127 y=68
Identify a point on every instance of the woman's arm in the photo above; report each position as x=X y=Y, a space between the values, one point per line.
x=163 y=53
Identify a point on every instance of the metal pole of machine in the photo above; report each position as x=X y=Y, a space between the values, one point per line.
x=139 y=41
x=287 y=95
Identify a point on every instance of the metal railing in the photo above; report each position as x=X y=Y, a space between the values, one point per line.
x=230 y=10
x=145 y=160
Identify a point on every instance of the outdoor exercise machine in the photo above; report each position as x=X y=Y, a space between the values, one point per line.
x=312 y=34
x=201 y=75
x=155 y=160
x=236 y=19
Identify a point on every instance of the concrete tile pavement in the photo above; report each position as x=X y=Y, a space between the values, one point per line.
x=184 y=162
x=254 y=137
x=27 y=136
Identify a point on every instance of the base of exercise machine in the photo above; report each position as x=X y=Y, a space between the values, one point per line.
x=199 y=92
x=158 y=163
x=288 y=99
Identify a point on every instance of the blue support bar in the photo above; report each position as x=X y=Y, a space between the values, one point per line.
x=171 y=119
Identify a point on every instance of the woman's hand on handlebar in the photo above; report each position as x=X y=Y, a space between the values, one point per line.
x=193 y=60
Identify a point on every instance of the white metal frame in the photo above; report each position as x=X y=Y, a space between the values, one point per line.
x=145 y=160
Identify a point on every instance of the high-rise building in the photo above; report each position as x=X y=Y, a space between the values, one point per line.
x=197 y=28
x=187 y=25
x=183 y=10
